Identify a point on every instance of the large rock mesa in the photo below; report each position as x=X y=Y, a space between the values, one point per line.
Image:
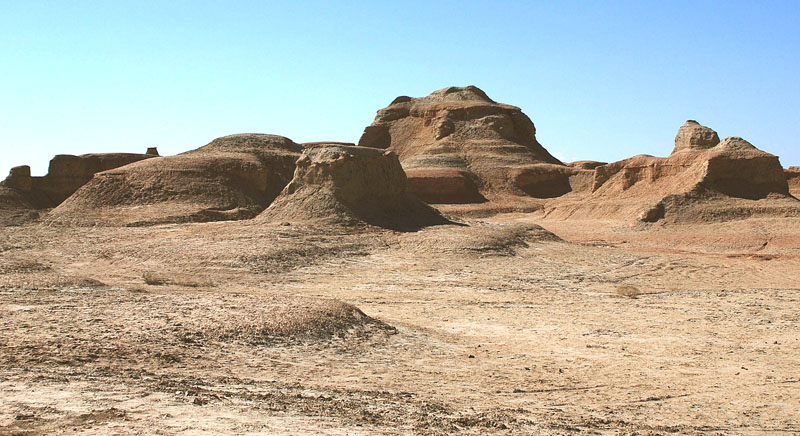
x=457 y=145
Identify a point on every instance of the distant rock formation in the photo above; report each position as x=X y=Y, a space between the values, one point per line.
x=586 y=164
x=700 y=171
x=459 y=146
x=68 y=173
x=793 y=178
x=337 y=184
x=233 y=177
x=22 y=193
x=692 y=136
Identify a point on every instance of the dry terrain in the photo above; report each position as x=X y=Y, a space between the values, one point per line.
x=493 y=327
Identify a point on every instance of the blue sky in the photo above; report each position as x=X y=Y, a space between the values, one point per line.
x=601 y=80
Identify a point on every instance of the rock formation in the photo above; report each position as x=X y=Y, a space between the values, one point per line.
x=459 y=146
x=586 y=164
x=692 y=136
x=701 y=171
x=21 y=193
x=233 y=177
x=348 y=185
x=793 y=178
x=67 y=173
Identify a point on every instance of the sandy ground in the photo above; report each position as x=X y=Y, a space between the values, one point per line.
x=498 y=328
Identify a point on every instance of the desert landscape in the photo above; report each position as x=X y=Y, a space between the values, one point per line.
x=446 y=275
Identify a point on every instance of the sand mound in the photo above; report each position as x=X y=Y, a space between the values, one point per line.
x=459 y=146
x=793 y=178
x=280 y=320
x=350 y=185
x=698 y=181
x=15 y=207
x=478 y=239
x=233 y=177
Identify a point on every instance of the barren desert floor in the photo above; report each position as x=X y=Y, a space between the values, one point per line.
x=494 y=327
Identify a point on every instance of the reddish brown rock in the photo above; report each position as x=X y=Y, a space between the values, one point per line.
x=233 y=177
x=443 y=185
x=462 y=135
x=347 y=185
x=543 y=180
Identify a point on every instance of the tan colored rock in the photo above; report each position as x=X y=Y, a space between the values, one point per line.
x=692 y=136
x=348 y=185
x=694 y=183
x=461 y=135
x=233 y=177
x=586 y=164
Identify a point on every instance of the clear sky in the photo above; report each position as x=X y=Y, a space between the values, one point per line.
x=602 y=80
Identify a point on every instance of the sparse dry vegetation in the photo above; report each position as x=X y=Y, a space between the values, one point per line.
x=628 y=291
x=154 y=279
x=162 y=279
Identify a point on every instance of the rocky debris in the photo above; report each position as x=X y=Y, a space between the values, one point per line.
x=793 y=178
x=233 y=177
x=729 y=175
x=350 y=185
x=460 y=146
x=692 y=136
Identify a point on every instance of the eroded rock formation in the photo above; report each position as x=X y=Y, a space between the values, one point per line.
x=348 y=185
x=700 y=171
x=459 y=146
x=21 y=193
x=233 y=177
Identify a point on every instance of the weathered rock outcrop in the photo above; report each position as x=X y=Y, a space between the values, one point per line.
x=586 y=164
x=21 y=193
x=338 y=184
x=793 y=178
x=233 y=177
x=692 y=136
x=729 y=174
x=459 y=146
x=67 y=173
